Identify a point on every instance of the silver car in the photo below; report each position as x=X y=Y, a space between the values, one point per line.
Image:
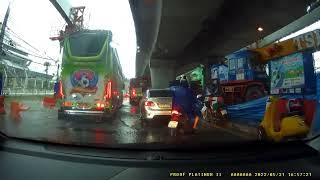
x=156 y=102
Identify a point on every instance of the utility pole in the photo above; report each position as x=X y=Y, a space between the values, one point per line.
x=58 y=72
x=47 y=64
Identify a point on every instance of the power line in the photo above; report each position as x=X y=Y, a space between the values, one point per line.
x=35 y=54
x=40 y=57
x=39 y=62
x=15 y=34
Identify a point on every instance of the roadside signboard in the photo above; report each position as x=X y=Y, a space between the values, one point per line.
x=304 y=41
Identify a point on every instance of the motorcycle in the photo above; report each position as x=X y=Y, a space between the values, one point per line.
x=214 y=110
x=178 y=123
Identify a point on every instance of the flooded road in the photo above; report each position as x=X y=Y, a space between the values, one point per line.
x=41 y=123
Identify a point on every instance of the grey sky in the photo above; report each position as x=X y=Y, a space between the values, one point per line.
x=37 y=20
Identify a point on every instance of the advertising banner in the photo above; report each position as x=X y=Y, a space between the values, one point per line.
x=287 y=73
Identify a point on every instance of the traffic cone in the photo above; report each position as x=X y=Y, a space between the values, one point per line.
x=17 y=107
x=14 y=110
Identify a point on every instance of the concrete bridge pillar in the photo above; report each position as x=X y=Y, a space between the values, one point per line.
x=162 y=72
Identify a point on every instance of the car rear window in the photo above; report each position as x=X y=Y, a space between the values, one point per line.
x=160 y=93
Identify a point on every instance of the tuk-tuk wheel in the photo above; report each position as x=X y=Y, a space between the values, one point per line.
x=261 y=133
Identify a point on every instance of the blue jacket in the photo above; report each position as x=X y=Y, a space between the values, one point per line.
x=56 y=87
x=183 y=98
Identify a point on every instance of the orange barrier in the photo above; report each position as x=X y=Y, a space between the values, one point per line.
x=2 y=110
x=49 y=102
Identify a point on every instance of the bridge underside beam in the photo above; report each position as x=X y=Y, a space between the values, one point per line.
x=296 y=25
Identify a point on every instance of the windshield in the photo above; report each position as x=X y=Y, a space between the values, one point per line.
x=160 y=93
x=224 y=72
x=87 y=44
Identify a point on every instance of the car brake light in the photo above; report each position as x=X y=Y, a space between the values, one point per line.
x=148 y=104
x=134 y=93
x=67 y=103
x=175 y=112
x=100 y=105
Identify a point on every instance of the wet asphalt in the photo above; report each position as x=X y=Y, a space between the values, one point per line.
x=42 y=123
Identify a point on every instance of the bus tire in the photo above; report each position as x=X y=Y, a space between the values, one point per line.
x=253 y=92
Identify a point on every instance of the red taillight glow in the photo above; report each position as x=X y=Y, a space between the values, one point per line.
x=108 y=89
x=148 y=103
x=67 y=104
x=175 y=112
x=100 y=105
x=60 y=90
x=134 y=93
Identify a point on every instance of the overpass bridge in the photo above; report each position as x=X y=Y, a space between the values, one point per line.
x=175 y=36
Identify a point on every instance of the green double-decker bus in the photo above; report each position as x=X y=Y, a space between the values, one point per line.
x=92 y=81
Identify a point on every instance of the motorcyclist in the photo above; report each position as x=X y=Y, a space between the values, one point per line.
x=184 y=100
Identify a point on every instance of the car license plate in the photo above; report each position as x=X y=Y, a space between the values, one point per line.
x=164 y=106
x=223 y=112
x=83 y=106
x=173 y=124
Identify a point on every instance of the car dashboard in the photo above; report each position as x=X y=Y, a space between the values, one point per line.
x=37 y=160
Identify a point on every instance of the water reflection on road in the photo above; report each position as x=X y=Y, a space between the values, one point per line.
x=41 y=123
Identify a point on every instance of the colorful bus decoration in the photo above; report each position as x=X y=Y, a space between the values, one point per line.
x=91 y=75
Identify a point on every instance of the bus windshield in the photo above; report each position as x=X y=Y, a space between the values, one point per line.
x=87 y=44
